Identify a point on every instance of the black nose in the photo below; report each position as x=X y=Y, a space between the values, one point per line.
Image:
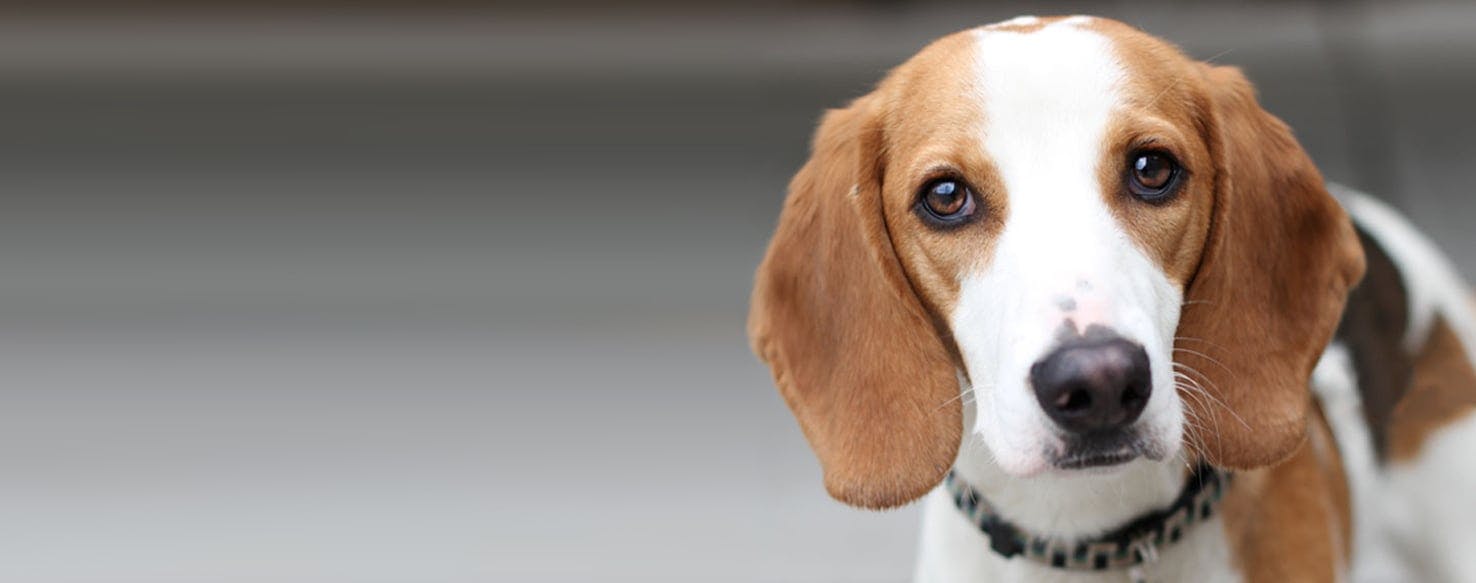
x=1093 y=385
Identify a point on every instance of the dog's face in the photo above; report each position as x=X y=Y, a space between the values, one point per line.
x=1052 y=224
x=1111 y=243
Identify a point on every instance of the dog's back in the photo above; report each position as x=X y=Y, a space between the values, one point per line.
x=1398 y=387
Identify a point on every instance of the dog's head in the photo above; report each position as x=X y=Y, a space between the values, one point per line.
x=1118 y=251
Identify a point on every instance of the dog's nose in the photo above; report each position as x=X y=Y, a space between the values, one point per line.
x=1094 y=385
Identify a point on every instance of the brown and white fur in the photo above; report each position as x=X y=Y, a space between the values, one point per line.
x=905 y=349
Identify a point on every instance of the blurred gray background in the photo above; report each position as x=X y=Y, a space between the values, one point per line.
x=445 y=292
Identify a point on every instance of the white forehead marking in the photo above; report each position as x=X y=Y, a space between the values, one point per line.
x=1047 y=98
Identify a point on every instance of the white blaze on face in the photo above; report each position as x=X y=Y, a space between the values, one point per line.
x=1062 y=257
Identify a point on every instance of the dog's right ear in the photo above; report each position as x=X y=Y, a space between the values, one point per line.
x=1277 y=265
x=852 y=350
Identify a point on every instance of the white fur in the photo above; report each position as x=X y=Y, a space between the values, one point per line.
x=1431 y=500
x=1048 y=96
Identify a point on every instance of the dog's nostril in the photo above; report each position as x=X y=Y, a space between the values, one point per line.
x=1134 y=397
x=1074 y=401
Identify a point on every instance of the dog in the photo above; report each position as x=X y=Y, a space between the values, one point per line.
x=1099 y=310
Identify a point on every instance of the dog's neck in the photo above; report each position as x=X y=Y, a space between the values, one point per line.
x=952 y=547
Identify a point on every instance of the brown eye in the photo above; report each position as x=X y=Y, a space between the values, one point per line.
x=1152 y=176
x=947 y=202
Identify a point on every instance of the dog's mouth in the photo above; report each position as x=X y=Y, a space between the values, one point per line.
x=1096 y=460
x=1101 y=451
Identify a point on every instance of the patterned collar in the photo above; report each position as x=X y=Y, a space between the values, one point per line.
x=1127 y=547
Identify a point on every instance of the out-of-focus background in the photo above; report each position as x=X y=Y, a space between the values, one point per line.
x=443 y=292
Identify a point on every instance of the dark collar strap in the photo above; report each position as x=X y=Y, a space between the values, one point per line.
x=1127 y=546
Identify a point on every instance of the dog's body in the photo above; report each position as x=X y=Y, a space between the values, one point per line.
x=1077 y=270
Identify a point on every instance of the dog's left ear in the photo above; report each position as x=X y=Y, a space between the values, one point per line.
x=854 y=353
x=1279 y=260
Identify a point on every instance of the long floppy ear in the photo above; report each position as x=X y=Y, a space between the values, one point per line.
x=1279 y=260
x=851 y=348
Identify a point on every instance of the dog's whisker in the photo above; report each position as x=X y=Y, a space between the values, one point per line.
x=962 y=395
x=1206 y=400
x=1201 y=340
x=1206 y=357
x=1214 y=399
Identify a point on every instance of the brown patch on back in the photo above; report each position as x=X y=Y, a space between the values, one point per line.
x=1292 y=522
x=1373 y=328
x=1442 y=390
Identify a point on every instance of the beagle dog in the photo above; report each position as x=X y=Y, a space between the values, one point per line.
x=1098 y=308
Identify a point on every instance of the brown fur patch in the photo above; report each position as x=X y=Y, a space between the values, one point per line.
x=1442 y=390
x=1292 y=521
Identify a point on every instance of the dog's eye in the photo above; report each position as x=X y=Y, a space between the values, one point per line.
x=947 y=202
x=1152 y=176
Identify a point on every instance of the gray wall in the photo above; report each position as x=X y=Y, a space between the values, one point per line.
x=457 y=295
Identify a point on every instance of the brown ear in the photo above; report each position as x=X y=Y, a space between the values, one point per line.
x=850 y=346
x=1279 y=260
